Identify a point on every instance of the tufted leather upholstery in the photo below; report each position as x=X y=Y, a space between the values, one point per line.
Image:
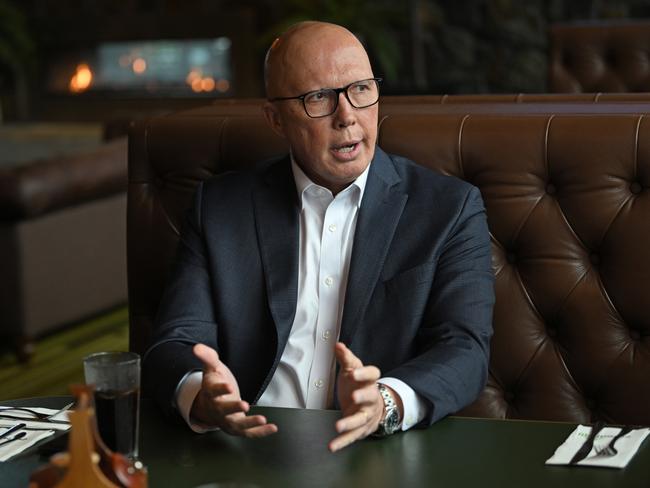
x=600 y=57
x=568 y=201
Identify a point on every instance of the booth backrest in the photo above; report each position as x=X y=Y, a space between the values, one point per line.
x=567 y=198
x=599 y=57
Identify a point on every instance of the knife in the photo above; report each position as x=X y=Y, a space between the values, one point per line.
x=585 y=449
x=11 y=430
x=18 y=436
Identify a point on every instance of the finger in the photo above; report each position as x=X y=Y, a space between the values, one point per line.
x=239 y=422
x=366 y=374
x=208 y=357
x=346 y=358
x=260 y=431
x=346 y=439
x=353 y=421
x=215 y=388
x=228 y=408
x=368 y=394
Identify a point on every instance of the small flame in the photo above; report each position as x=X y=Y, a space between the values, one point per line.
x=82 y=79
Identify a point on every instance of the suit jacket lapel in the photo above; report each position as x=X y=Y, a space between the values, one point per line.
x=277 y=222
x=381 y=209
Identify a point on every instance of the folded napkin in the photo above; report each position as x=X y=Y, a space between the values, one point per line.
x=627 y=446
x=34 y=430
x=12 y=448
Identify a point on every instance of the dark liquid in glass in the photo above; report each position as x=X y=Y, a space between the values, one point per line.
x=117 y=419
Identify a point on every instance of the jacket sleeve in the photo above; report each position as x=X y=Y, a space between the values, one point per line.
x=185 y=316
x=450 y=367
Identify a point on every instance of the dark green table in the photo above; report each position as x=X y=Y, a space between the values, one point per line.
x=456 y=453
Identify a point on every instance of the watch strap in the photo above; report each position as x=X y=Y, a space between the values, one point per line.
x=391 y=418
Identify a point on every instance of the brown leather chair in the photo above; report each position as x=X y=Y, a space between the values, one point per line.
x=600 y=57
x=567 y=197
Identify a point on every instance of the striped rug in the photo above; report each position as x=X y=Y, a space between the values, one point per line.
x=57 y=358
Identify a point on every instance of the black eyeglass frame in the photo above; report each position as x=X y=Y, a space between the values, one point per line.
x=337 y=91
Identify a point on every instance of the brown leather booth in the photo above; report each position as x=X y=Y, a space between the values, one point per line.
x=62 y=241
x=600 y=56
x=568 y=200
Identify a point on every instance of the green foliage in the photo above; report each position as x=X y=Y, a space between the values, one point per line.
x=16 y=45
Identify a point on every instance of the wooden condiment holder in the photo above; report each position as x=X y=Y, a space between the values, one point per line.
x=88 y=462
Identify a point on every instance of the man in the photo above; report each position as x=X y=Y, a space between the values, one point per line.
x=310 y=273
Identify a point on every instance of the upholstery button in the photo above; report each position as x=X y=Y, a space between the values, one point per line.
x=511 y=257
x=551 y=331
x=595 y=259
x=509 y=396
x=591 y=405
x=635 y=335
x=550 y=189
x=636 y=187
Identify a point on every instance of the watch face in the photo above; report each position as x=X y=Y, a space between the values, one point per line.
x=391 y=421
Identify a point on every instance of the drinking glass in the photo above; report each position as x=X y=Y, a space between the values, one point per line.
x=116 y=378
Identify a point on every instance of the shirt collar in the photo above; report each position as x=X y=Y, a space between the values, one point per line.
x=303 y=182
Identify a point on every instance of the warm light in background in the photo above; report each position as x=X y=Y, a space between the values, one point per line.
x=139 y=66
x=207 y=84
x=223 y=86
x=200 y=83
x=193 y=75
x=82 y=79
x=192 y=67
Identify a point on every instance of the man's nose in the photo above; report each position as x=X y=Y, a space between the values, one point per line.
x=344 y=115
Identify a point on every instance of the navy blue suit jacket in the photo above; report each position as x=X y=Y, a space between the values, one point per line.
x=419 y=296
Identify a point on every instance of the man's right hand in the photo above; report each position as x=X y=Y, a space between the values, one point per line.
x=219 y=403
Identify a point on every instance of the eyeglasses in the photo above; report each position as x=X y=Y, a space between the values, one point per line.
x=324 y=102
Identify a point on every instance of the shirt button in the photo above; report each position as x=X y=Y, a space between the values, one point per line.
x=326 y=335
x=319 y=384
x=332 y=227
x=329 y=281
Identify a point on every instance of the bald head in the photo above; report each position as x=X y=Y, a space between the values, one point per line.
x=307 y=48
x=335 y=148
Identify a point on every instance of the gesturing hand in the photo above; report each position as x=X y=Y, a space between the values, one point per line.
x=361 y=403
x=219 y=403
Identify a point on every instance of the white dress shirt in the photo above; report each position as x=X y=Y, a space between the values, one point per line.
x=305 y=376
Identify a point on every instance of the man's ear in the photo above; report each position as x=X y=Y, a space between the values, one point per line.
x=273 y=118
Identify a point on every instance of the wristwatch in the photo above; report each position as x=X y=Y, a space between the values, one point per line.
x=391 y=421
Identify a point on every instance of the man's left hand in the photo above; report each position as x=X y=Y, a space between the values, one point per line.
x=360 y=401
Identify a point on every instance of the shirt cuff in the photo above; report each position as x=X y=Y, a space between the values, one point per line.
x=186 y=392
x=415 y=408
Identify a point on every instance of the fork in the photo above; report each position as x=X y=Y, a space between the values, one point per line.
x=41 y=417
x=609 y=450
x=37 y=415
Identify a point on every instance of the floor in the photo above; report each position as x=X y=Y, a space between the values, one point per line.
x=57 y=361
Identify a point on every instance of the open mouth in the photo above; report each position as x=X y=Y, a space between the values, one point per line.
x=348 y=148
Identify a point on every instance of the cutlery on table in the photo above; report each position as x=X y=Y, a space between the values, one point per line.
x=609 y=450
x=18 y=436
x=586 y=447
x=12 y=429
x=37 y=416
